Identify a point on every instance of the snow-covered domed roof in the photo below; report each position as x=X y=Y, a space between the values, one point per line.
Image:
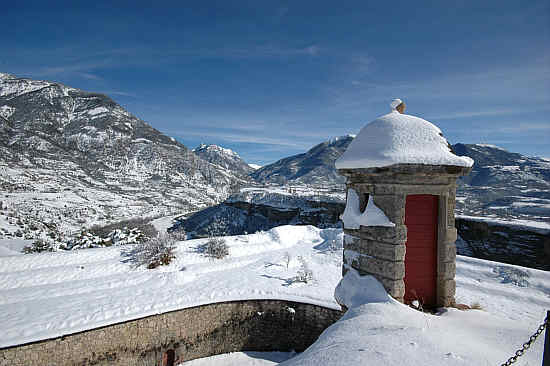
x=397 y=138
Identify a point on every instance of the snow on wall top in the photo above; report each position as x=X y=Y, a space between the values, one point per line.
x=372 y=216
x=397 y=138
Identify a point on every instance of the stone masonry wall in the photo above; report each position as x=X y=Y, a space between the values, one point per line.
x=253 y=325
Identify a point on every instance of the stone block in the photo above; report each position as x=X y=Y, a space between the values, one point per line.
x=390 y=235
x=447 y=253
x=392 y=205
x=445 y=290
x=381 y=268
x=450 y=235
x=446 y=270
x=362 y=188
x=378 y=250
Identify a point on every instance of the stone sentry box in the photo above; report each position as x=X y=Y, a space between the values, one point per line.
x=403 y=164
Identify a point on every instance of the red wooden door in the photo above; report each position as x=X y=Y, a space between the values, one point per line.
x=421 y=248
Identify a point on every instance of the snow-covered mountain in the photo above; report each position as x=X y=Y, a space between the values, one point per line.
x=73 y=157
x=224 y=158
x=316 y=166
x=504 y=184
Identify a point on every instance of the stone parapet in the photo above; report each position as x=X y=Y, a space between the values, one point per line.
x=253 y=325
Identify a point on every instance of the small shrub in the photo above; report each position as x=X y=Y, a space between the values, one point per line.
x=38 y=246
x=304 y=274
x=86 y=240
x=287 y=258
x=154 y=252
x=144 y=226
x=178 y=235
x=215 y=247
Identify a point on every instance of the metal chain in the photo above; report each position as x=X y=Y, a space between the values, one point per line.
x=527 y=344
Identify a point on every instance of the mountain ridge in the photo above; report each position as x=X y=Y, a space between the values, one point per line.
x=55 y=138
x=315 y=166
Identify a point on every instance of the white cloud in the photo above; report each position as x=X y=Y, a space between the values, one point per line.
x=240 y=138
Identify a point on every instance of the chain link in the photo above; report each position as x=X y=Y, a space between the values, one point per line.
x=527 y=344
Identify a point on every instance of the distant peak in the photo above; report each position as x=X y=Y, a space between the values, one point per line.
x=490 y=146
x=338 y=138
x=6 y=76
x=212 y=147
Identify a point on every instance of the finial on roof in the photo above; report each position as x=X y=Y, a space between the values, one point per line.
x=398 y=105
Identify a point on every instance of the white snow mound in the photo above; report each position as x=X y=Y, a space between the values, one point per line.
x=398 y=138
x=355 y=290
x=372 y=216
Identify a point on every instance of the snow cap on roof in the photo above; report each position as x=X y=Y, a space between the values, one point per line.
x=395 y=103
x=397 y=138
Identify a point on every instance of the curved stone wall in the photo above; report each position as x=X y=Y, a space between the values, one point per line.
x=183 y=335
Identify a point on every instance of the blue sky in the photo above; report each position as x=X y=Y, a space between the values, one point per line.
x=273 y=78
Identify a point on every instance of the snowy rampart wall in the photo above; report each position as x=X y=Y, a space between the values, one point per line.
x=254 y=325
x=501 y=242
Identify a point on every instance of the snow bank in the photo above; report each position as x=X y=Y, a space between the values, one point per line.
x=399 y=139
x=355 y=290
x=377 y=330
x=372 y=216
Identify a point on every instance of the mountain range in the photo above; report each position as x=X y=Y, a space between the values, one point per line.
x=72 y=158
x=316 y=166
x=501 y=184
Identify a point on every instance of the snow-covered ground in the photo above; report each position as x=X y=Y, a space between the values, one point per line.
x=64 y=199
x=163 y=223
x=50 y=294
x=381 y=331
x=9 y=247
